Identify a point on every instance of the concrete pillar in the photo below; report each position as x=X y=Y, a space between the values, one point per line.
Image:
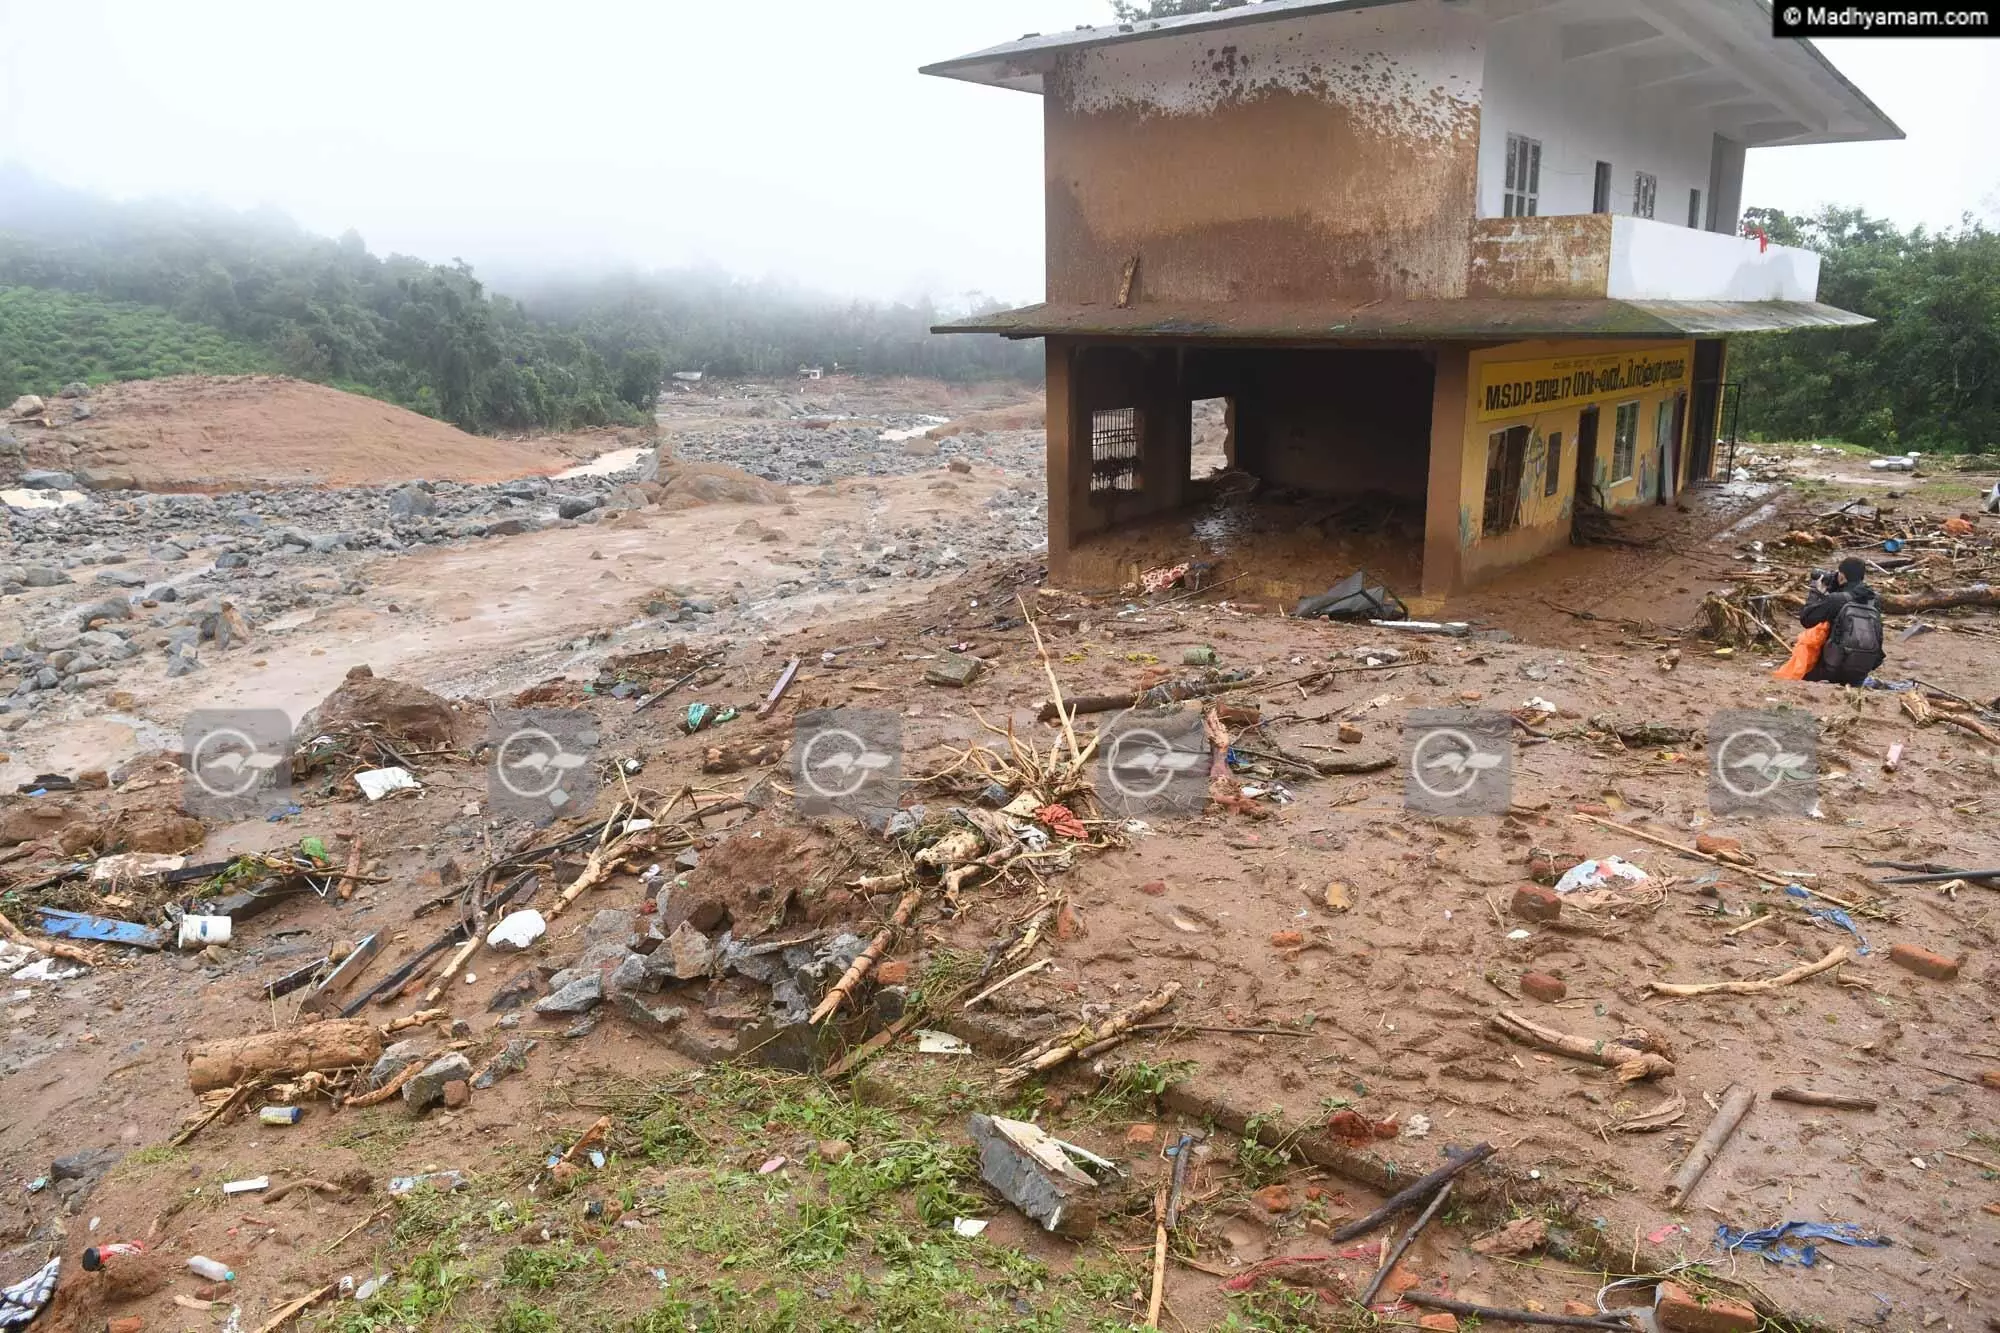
x=1444 y=552
x=1064 y=474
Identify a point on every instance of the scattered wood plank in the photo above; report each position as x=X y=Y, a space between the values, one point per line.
x=1840 y=1101
x=1627 y=1055
x=861 y=966
x=1060 y=1050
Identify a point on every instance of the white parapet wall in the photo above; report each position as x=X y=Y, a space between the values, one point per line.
x=1658 y=261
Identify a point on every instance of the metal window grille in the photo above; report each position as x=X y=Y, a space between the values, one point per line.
x=1624 y=442
x=1114 y=449
x=1645 y=189
x=1600 y=189
x=1522 y=197
x=1552 y=469
x=1506 y=460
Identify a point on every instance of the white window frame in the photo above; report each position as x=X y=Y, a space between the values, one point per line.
x=1645 y=194
x=1521 y=192
x=1627 y=440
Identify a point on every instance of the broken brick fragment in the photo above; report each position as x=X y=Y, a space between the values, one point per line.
x=1679 y=1312
x=1924 y=963
x=1543 y=987
x=1154 y=888
x=1287 y=939
x=1710 y=845
x=1532 y=902
x=1442 y=1320
x=892 y=972
x=1274 y=1198
x=1142 y=1134
x=457 y=1093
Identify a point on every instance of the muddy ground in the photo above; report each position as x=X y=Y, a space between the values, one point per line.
x=735 y=1196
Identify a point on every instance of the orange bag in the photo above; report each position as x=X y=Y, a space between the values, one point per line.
x=1805 y=653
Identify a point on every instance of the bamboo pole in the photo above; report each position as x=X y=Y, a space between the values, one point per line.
x=861 y=966
x=1840 y=954
x=1736 y=1103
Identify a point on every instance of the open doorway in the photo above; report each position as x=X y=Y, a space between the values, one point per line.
x=1586 y=497
x=1211 y=436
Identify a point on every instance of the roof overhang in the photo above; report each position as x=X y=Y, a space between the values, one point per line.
x=1407 y=321
x=1713 y=55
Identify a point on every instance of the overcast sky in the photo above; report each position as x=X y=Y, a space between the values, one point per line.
x=785 y=138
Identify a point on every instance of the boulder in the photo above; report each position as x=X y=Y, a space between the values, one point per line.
x=426 y=1089
x=394 y=1061
x=578 y=997
x=391 y=708
x=27 y=405
x=412 y=502
x=40 y=480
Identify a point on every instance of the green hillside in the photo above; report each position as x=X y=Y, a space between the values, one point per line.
x=49 y=338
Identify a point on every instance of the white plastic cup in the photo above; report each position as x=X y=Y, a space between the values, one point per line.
x=198 y=932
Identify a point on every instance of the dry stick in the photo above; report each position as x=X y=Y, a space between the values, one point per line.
x=1498 y=1315
x=1778 y=881
x=389 y=1089
x=1406 y=1199
x=416 y=1020
x=1736 y=1103
x=1058 y=1050
x=1062 y=714
x=1630 y=1062
x=343 y=1236
x=1396 y=1255
x=1840 y=954
x=236 y=1097
x=1838 y=1100
x=286 y=1312
x=1978 y=1162
x=1159 y=1259
x=1009 y=980
x=457 y=961
x=876 y=948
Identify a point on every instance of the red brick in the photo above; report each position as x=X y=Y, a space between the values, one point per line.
x=1679 y=1312
x=457 y=1093
x=1286 y=939
x=1924 y=963
x=893 y=972
x=1154 y=888
x=1543 y=987
x=1710 y=845
x=1580 y=1307
x=1597 y=808
x=1142 y=1134
x=1444 y=1321
x=1274 y=1198
x=1532 y=902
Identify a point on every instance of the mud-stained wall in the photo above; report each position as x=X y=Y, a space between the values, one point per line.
x=1335 y=155
x=1555 y=257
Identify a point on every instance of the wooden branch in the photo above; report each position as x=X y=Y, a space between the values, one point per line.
x=1396 y=1254
x=1629 y=1061
x=237 y=1096
x=1055 y=689
x=1405 y=1199
x=1840 y=954
x=1736 y=1103
x=457 y=961
x=416 y=1020
x=290 y=1310
x=353 y=866
x=1009 y=980
x=1838 y=1100
x=1776 y=881
x=1497 y=1315
x=876 y=948
x=1159 y=1289
x=389 y=1089
x=1061 y=1050
x=1942 y=600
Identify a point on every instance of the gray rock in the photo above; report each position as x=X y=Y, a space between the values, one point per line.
x=690 y=955
x=576 y=506
x=394 y=1061
x=231 y=560
x=612 y=923
x=508 y=527
x=426 y=1089
x=104 y=478
x=166 y=592
x=47 y=679
x=650 y=1015
x=412 y=502
x=527 y=488
x=167 y=553
x=74 y=389
x=55 y=640
x=41 y=480
x=43 y=576
x=518 y=990
x=631 y=974
x=597 y=960
x=183 y=662
x=1058 y=1198
x=578 y=997
x=122 y=578
x=326 y=545
x=112 y=608
x=513 y=1059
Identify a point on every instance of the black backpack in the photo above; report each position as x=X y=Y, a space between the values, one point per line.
x=1854 y=644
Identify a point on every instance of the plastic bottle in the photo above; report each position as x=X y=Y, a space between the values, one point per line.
x=97 y=1256
x=210 y=1269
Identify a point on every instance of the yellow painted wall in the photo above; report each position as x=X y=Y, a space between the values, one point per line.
x=1545 y=386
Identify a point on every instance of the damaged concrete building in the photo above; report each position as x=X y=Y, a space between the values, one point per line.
x=1467 y=262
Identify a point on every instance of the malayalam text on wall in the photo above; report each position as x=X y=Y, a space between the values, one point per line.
x=1518 y=388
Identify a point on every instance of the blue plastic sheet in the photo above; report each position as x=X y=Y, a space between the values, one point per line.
x=1770 y=1242
x=1834 y=914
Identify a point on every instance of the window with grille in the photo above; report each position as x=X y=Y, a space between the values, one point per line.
x=1645 y=190
x=1506 y=459
x=1114 y=449
x=1552 y=470
x=1524 y=177
x=1624 y=442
